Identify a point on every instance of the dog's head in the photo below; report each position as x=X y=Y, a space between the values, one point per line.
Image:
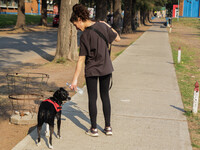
x=61 y=95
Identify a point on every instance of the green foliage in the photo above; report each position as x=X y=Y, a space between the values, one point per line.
x=10 y=20
x=151 y=4
x=169 y=6
x=88 y=3
x=194 y=145
x=188 y=113
x=61 y=60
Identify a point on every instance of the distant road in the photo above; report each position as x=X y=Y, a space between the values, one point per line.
x=19 y=48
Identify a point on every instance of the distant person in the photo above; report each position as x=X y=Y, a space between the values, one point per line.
x=110 y=19
x=98 y=66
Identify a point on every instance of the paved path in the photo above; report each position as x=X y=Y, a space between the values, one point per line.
x=19 y=48
x=147 y=111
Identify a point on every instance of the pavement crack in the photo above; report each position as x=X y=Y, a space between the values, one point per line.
x=150 y=117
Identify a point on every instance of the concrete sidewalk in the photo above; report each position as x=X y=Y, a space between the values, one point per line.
x=147 y=111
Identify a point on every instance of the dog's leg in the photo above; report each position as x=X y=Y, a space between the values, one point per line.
x=58 y=126
x=47 y=130
x=50 y=138
x=38 y=131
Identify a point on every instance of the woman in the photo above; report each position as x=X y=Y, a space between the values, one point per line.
x=94 y=53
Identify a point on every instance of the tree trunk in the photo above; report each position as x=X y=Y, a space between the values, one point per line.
x=150 y=15
x=44 y=13
x=111 y=6
x=134 y=18
x=21 y=14
x=146 y=13
x=67 y=34
x=117 y=18
x=101 y=10
x=127 y=16
x=141 y=17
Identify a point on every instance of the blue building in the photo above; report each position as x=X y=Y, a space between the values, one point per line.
x=189 y=8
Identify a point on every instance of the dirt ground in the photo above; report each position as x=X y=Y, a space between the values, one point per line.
x=59 y=75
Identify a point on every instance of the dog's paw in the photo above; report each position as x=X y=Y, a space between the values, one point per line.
x=38 y=144
x=47 y=134
x=50 y=146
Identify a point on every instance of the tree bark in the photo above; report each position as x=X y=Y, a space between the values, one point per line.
x=141 y=17
x=44 y=13
x=134 y=22
x=111 y=6
x=101 y=10
x=67 y=34
x=150 y=15
x=21 y=14
x=127 y=17
x=117 y=18
x=146 y=14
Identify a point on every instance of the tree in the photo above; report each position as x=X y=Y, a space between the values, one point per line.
x=169 y=5
x=117 y=18
x=111 y=5
x=20 y=14
x=44 y=13
x=145 y=6
x=67 y=34
x=101 y=9
x=88 y=3
x=127 y=17
x=134 y=22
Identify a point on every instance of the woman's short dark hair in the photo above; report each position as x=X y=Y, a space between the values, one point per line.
x=79 y=11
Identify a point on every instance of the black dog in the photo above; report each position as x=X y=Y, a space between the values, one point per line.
x=48 y=110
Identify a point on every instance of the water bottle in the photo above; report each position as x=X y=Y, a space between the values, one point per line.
x=78 y=89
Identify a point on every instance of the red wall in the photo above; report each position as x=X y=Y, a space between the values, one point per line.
x=174 y=10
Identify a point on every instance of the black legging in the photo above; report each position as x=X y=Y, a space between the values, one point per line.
x=104 y=82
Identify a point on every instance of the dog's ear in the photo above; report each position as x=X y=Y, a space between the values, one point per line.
x=62 y=89
x=63 y=94
x=57 y=94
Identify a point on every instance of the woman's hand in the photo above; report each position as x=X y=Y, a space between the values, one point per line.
x=79 y=65
x=105 y=23
x=117 y=39
x=74 y=85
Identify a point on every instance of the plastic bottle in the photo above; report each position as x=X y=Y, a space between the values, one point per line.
x=78 y=89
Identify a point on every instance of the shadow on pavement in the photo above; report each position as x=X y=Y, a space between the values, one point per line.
x=155 y=31
x=26 y=42
x=72 y=111
x=178 y=108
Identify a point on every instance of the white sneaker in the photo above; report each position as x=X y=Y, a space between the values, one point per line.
x=108 y=130
x=92 y=132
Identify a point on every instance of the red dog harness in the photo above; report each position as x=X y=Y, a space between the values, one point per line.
x=56 y=106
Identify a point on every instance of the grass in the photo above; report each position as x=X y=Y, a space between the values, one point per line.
x=61 y=60
x=10 y=20
x=191 y=22
x=188 y=71
x=119 y=53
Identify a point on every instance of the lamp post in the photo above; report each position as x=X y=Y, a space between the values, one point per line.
x=178 y=11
